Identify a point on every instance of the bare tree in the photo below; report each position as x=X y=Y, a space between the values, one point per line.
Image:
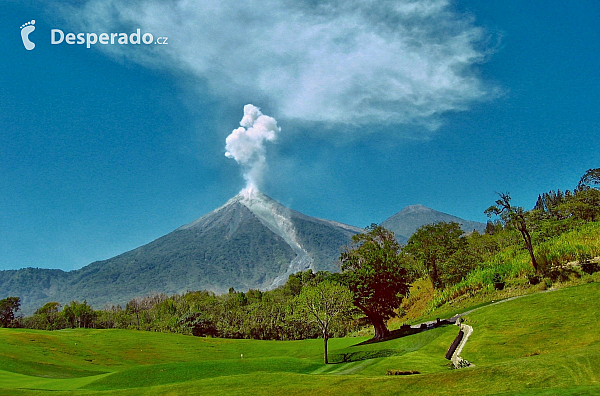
x=515 y=216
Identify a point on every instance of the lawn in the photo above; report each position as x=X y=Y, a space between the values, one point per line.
x=546 y=343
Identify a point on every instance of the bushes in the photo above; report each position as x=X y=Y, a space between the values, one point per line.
x=512 y=263
x=270 y=315
x=401 y=372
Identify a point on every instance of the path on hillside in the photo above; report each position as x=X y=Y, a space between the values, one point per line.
x=417 y=328
x=460 y=315
x=456 y=359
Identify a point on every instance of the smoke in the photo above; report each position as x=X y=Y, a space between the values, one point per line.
x=246 y=145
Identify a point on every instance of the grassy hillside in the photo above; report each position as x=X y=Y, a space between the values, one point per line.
x=514 y=266
x=545 y=343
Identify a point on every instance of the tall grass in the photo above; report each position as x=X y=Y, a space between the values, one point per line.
x=570 y=246
x=514 y=265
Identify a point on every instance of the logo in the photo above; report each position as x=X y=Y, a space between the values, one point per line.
x=25 y=30
x=57 y=36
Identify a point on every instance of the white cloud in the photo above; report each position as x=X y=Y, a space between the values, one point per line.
x=352 y=62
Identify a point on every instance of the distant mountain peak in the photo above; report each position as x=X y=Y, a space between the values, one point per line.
x=415 y=209
x=411 y=218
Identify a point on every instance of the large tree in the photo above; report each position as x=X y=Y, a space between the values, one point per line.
x=47 y=317
x=514 y=216
x=373 y=269
x=324 y=304
x=433 y=245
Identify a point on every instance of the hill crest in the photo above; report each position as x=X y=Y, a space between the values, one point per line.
x=408 y=220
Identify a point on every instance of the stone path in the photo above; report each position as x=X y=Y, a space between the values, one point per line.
x=456 y=359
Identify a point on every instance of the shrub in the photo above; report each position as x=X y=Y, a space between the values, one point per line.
x=400 y=372
x=498 y=281
x=461 y=363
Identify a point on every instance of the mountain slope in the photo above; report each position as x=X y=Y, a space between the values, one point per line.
x=251 y=242
x=409 y=219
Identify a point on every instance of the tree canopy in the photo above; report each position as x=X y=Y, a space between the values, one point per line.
x=589 y=179
x=373 y=269
x=8 y=307
x=433 y=245
x=325 y=304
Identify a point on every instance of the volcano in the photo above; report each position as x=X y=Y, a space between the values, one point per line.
x=251 y=242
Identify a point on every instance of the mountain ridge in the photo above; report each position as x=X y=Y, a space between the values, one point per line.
x=405 y=222
x=250 y=242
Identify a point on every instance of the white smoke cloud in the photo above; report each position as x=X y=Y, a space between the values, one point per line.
x=354 y=62
x=246 y=145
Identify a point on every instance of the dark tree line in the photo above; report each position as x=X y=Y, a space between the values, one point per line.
x=273 y=315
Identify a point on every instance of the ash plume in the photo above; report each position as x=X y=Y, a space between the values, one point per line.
x=246 y=145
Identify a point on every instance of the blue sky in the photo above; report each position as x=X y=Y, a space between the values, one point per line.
x=380 y=104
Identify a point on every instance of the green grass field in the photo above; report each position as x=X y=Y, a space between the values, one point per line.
x=544 y=344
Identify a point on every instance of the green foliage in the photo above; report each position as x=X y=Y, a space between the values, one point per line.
x=513 y=265
x=270 y=315
x=374 y=270
x=325 y=304
x=8 y=307
x=434 y=245
x=556 y=353
x=468 y=258
x=199 y=323
x=79 y=314
x=46 y=317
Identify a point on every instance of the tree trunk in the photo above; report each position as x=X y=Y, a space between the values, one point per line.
x=529 y=247
x=381 y=330
x=435 y=281
x=325 y=338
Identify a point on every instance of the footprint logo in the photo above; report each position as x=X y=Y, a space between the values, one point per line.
x=25 y=30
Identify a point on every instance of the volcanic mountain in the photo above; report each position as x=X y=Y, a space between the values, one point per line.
x=251 y=242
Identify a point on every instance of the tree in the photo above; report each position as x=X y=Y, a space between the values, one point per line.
x=79 y=314
x=8 y=307
x=47 y=317
x=589 y=178
x=200 y=324
x=134 y=307
x=584 y=205
x=515 y=216
x=434 y=244
x=325 y=303
x=373 y=269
